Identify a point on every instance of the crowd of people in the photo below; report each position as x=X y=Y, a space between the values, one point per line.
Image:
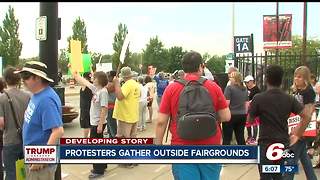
x=123 y=105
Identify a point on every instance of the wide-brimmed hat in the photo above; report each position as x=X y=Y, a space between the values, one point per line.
x=36 y=68
x=126 y=72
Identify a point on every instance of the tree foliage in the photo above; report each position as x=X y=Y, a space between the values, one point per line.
x=216 y=64
x=134 y=62
x=63 y=61
x=155 y=54
x=175 y=55
x=10 y=45
x=79 y=33
x=312 y=45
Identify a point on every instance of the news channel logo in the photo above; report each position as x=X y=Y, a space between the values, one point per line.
x=40 y=154
x=277 y=151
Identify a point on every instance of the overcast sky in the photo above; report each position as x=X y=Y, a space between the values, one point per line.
x=204 y=27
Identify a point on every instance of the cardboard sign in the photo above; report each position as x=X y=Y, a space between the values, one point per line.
x=105 y=67
x=86 y=61
x=124 y=48
x=76 y=56
x=311 y=129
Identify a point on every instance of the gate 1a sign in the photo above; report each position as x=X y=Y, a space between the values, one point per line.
x=242 y=44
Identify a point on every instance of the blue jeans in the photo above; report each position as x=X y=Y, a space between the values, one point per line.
x=300 y=153
x=111 y=124
x=11 y=153
x=159 y=100
x=196 y=171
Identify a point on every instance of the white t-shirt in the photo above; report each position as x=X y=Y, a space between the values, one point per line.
x=144 y=93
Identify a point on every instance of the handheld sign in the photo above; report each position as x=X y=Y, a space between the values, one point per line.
x=76 y=56
x=123 y=52
x=124 y=49
x=311 y=129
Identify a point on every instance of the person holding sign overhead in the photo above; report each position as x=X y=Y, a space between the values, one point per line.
x=98 y=111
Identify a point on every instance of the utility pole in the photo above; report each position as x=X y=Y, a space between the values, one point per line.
x=48 y=52
x=48 y=49
x=232 y=38
x=277 y=47
x=304 y=43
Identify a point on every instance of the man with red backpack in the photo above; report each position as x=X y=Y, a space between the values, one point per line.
x=173 y=99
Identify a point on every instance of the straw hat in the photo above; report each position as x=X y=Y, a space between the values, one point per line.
x=126 y=72
x=36 y=68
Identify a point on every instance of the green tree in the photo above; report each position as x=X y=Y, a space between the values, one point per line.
x=63 y=61
x=216 y=64
x=312 y=46
x=156 y=55
x=10 y=45
x=23 y=61
x=206 y=56
x=118 y=41
x=175 y=55
x=134 y=61
x=79 y=33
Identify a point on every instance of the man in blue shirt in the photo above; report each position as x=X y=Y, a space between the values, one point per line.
x=43 y=117
x=162 y=83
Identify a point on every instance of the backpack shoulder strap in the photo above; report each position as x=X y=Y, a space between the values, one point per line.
x=202 y=80
x=181 y=81
x=12 y=110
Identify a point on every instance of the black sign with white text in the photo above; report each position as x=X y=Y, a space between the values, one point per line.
x=242 y=44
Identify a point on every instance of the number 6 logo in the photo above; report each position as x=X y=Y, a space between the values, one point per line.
x=274 y=151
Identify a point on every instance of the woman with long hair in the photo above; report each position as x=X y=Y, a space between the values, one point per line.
x=304 y=93
x=237 y=97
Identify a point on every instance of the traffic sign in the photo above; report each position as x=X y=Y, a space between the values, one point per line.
x=230 y=56
x=41 y=28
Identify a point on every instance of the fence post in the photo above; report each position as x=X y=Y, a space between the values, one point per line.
x=252 y=52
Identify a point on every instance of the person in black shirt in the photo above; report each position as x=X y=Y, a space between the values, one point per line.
x=85 y=103
x=252 y=128
x=304 y=93
x=274 y=107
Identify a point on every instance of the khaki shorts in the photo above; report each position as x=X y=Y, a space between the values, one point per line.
x=126 y=130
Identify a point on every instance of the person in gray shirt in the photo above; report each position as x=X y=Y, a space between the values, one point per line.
x=98 y=111
x=237 y=97
x=12 y=140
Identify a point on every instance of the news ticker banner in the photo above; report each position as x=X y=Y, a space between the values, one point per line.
x=87 y=151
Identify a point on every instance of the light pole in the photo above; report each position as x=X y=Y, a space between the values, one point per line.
x=304 y=43
x=48 y=52
x=277 y=36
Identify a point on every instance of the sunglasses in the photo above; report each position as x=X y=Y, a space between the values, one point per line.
x=26 y=75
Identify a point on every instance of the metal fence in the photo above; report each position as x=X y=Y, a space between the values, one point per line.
x=288 y=61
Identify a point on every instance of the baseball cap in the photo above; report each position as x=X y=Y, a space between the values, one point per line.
x=248 y=78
